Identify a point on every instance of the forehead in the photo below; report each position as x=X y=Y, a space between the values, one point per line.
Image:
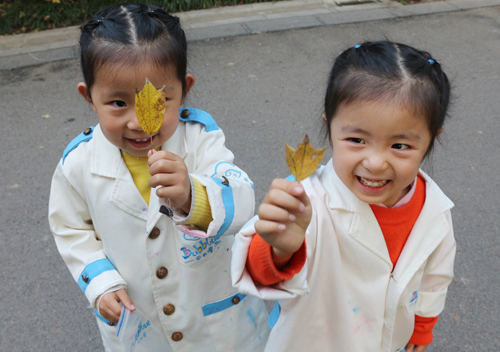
x=382 y=118
x=133 y=75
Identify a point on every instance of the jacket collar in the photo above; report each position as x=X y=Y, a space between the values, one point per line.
x=106 y=159
x=339 y=196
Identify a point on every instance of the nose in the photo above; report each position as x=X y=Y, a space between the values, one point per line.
x=133 y=123
x=375 y=161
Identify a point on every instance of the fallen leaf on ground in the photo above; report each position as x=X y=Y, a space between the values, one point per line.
x=304 y=160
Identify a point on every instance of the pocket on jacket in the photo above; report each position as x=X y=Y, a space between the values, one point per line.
x=237 y=323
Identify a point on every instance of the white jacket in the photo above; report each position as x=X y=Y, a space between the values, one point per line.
x=347 y=298
x=109 y=236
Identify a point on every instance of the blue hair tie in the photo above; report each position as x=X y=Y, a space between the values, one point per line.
x=357 y=46
x=431 y=61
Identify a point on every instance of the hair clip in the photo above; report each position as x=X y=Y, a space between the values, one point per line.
x=357 y=46
x=151 y=11
x=100 y=21
x=431 y=61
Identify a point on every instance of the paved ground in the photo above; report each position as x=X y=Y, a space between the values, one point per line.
x=263 y=89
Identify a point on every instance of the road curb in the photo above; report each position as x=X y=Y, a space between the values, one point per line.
x=61 y=44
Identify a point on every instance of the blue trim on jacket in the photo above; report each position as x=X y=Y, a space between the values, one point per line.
x=93 y=270
x=101 y=318
x=221 y=305
x=82 y=137
x=228 y=201
x=200 y=116
x=274 y=315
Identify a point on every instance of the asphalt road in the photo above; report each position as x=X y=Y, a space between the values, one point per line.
x=263 y=90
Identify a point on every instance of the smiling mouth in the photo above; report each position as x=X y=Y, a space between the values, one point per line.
x=140 y=140
x=372 y=183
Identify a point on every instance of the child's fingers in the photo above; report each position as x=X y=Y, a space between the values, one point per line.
x=265 y=227
x=174 y=191
x=109 y=307
x=273 y=213
x=284 y=198
x=169 y=168
x=168 y=179
x=125 y=299
x=154 y=156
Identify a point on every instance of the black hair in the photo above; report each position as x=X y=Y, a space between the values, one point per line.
x=128 y=34
x=392 y=71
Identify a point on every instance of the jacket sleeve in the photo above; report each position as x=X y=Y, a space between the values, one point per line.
x=229 y=189
x=76 y=239
x=437 y=276
x=242 y=280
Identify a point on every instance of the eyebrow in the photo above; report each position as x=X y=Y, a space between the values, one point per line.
x=166 y=88
x=354 y=129
x=407 y=135
x=110 y=94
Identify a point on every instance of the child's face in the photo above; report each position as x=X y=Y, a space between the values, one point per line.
x=377 y=149
x=113 y=99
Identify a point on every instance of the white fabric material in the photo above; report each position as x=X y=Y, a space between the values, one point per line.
x=347 y=297
x=96 y=212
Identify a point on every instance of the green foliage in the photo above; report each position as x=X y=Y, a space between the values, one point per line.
x=21 y=16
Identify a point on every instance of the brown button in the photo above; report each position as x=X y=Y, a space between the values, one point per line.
x=85 y=279
x=236 y=300
x=185 y=113
x=161 y=272
x=154 y=233
x=177 y=336
x=169 y=309
x=87 y=131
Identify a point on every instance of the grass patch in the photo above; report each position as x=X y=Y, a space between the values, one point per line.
x=22 y=16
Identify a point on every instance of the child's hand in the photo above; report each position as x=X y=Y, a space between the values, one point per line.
x=109 y=304
x=413 y=348
x=170 y=171
x=284 y=216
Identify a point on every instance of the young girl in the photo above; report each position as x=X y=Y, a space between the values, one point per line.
x=105 y=208
x=360 y=255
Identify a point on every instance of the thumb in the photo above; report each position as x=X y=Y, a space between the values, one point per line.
x=125 y=299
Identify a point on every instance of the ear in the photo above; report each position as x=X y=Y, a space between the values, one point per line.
x=439 y=132
x=84 y=92
x=189 y=84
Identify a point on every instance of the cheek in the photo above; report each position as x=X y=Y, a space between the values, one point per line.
x=169 y=126
x=341 y=162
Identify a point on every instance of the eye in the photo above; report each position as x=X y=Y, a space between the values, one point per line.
x=118 y=103
x=400 y=146
x=356 y=140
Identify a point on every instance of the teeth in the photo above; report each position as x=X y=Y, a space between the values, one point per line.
x=141 y=140
x=370 y=183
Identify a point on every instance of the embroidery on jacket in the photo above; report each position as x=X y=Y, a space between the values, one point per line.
x=200 y=247
x=230 y=172
x=413 y=299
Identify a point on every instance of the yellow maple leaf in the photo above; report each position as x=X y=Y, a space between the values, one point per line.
x=304 y=160
x=150 y=107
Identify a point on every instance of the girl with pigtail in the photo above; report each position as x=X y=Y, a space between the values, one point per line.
x=360 y=255
x=147 y=222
